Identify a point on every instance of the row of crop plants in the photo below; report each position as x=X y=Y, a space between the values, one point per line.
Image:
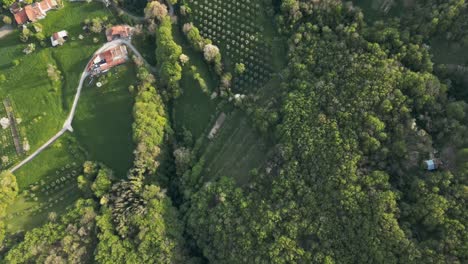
x=232 y=25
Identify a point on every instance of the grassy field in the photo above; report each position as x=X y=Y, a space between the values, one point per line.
x=146 y=45
x=102 y=125
x=236 y=150
x=103 y=122
x=41 y=106
x=63 y=159
x=194 y=109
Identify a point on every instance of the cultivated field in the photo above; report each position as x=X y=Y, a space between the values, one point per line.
x=244 y=35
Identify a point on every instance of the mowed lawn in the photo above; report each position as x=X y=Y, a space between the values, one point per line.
x=27 y=84
x=194 y=109
x=103 y=122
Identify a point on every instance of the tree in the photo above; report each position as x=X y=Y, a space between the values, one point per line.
x=53 y=73
x=30 y=48
x=183 y=160
x=240 y=68
x=8 y=193
x=184 y=59
x=155 y=9
x=25 y=33
x=96 y=25
x=68 y=239
x=7 y=20
x=102 y=183
x=456 y=110
x=210 y=52
x=7 y=3
x=168 y=53
x=8 y=190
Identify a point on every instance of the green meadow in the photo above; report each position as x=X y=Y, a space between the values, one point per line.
x=102 y=123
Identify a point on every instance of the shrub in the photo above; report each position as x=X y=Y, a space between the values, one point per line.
x=240 y=68
x=30 y=48
x=7 y=20
x=156 y=10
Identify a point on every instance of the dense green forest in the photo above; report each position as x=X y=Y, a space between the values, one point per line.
x=350 y=119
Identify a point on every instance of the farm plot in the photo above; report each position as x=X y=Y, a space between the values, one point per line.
x=234 y=26
x=235 y=150
x=13 y=142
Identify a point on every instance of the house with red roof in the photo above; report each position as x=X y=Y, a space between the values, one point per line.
x=32 y=12
x=119 y=32
x=108 y=59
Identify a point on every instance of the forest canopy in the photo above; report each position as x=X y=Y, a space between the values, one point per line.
x=364 y=142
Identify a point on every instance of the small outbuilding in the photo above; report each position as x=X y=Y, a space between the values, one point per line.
x=432 y=164
x=58 y=38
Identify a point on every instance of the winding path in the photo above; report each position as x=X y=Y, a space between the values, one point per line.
x=67 y=125
x=5 y=30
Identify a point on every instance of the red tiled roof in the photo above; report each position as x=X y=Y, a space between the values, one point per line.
x=21 y=17
x=46 y=5
x=121 y=31
x=32 y=12
x=112 y=57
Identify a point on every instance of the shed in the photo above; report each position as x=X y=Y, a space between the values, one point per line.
x=432 y=164
x=58 y=38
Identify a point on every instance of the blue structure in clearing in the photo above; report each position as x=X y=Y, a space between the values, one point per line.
x=430 y=165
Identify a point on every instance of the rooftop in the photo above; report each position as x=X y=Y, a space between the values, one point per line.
x=119 y=31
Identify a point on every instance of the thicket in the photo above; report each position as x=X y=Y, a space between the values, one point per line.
x=8 y=192
x=69 y=240
x=168 y=53
x=150 y=124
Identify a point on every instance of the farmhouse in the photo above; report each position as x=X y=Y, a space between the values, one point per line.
x=32 y=12
x=119 y=32
x=58 y=38
x=107 y=59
